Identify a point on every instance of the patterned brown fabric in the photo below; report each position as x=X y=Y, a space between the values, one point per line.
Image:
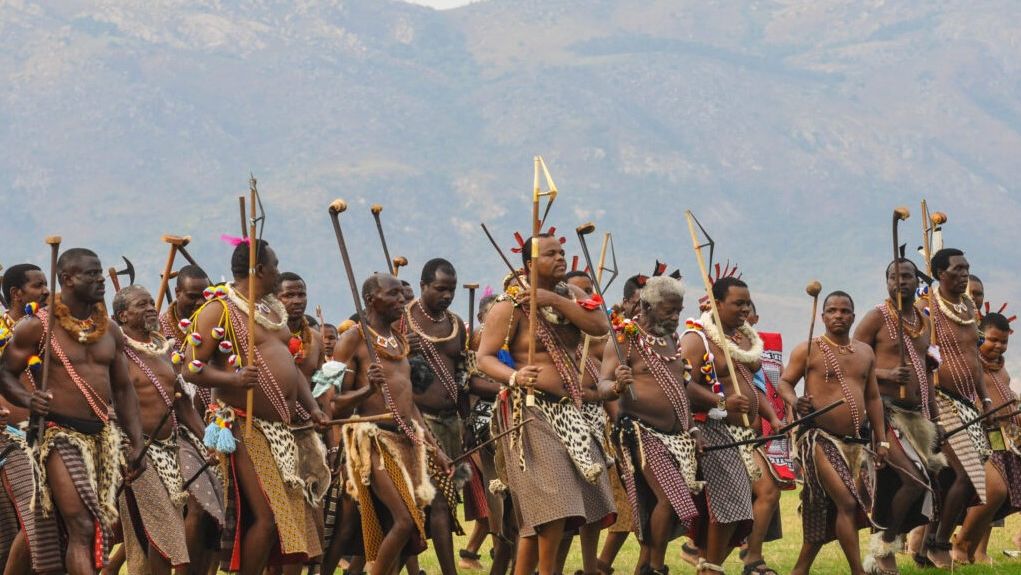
x=971 y=447
x=42 y=533
x=817 y=510
x=151 y=521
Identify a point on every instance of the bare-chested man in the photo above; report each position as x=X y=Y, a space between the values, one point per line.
x=24 y=289
x=901 y=503
x=189 y=290
x=89 y=376
x=1003 y=469
x=306 y=347
x=555 y=465
x=437 y=336
x=720 y=400
x=833 y=451
x=387 y=463
x=153 y=503
x=960 y=394
x=656 y=433
x=266 y=520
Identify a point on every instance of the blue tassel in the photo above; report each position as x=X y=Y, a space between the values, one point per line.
x=226 y=443
x=211 y=435
x=504 y=355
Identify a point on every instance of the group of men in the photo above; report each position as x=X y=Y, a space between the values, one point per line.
x=234 y=431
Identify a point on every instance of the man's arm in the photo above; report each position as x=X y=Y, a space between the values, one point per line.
x=14 y=361
x=307 y=401
x=346 y=352
x=186 y=413
x=701 y=396
x=591 y=321
x=124 y=397
x=867 y=332
x=500 y=315
x=612 y=375
x=214 y=373
x=792 y=374
x=874 y=407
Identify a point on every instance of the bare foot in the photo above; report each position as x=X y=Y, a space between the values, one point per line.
x=960 y=555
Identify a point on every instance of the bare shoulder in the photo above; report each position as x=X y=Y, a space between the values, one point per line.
x=210 y=312
x=118 y=335
x=692 y=341
x=577 y=292
x=28 y=332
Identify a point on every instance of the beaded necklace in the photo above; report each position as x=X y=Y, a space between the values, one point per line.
x=847 y=349
x=646 y=341
x=953 y=358
x=171 y=325
x=888 y=311
x=738 y=354
x=672 y=389
x=158 y=346
x=432 y=355
x=454 y=321
x=832 y=364
x=300 y=341
x=151 y=376
x=959 y=308
x=383 y=344
x=913 y=328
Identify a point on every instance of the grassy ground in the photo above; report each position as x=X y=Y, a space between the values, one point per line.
x=783 y=553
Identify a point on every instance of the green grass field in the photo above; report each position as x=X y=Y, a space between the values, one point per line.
x=780 y=554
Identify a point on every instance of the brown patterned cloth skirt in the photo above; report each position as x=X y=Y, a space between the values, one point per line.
x=207 y=490
x=1008 y=464
x=151 y=522
x=42 y=533
x=971 y=447
x=549 y=486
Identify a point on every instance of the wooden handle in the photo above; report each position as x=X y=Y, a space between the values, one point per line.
x=165 y=278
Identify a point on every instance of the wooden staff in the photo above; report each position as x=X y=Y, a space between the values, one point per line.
x=582 y=231
x=715 y=311
x=533 y=277
x=978 y=419
x=348 y=421
x=899 y=214
x=376 y=210
x=319 y=318
x=814 y=288
x=930 y=223
x=148 y=442
x=894 y=466
x=176 y=242
x=244 y=218
x=783 y=430
x=114 y=280
x=252 y=246
x=597 y=283
x=54 y=243
x=399 y=262
x=336 y=208
x=471 y=312
x=489 y=441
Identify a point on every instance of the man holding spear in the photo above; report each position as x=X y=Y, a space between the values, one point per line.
x=901 y=501
x=267 y=520
x=554 y=465
x=89 y=376
x=833 y=451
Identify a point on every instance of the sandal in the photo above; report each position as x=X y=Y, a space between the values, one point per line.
x=758 y=568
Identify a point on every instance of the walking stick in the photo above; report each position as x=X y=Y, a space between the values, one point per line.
x=533 y=277
x=899 y=214
x=252 y=246
x=244 y=218
x=347 y=421
x=148 y=442
x=931 y=223
x=582 y=231
x=176 y=243
x=376 y=210
x=337 y=208
x=399 y=262
x=712 y=300
x=814 y=288
x=54 y=243
x=471 y=311
x=978 y=419
x=489 y=441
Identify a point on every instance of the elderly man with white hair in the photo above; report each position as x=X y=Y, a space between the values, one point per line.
x=657 y=435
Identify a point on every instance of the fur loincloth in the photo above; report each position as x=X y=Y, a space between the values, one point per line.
x=405 y=462
x=818 y=513
x=94 y=463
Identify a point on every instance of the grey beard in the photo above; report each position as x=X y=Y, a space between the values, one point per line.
x=151 y=326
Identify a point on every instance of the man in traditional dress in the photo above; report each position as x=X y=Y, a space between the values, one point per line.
x=306 y=347
x=1003 y=469
x=24 y=288
x=188 y=296
x=388 y=464
x=833 y=452
x=555 y=465
x=151 y=506
x=437 y=338
x=656 y=433
x=721 y=401
x=960 y=394
x=267 y=519
x=902 y=502
x=501 y=521
x=80 y=453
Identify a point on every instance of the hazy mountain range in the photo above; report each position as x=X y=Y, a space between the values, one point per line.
x=791 y=128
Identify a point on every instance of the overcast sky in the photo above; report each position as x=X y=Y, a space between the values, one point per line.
x=441 y=4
